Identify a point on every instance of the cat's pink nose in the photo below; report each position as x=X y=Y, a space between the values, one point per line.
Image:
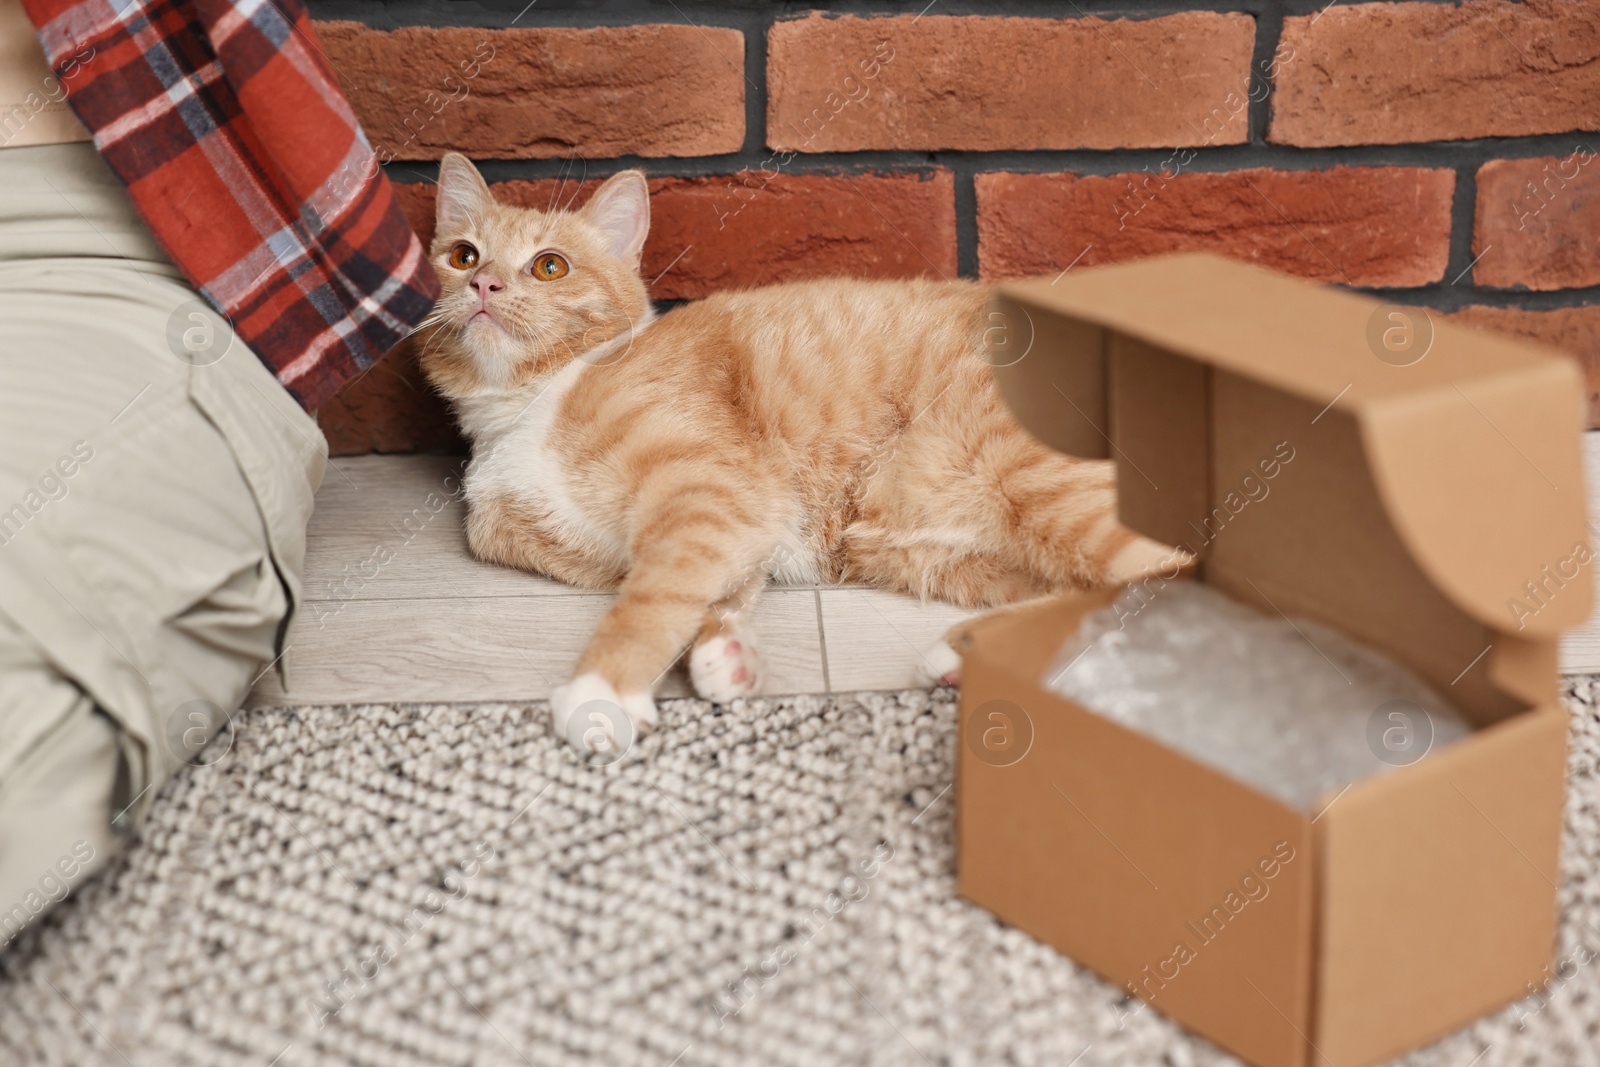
x=486 y=284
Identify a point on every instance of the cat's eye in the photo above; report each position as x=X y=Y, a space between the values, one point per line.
x=463 y=256
x=548 y=266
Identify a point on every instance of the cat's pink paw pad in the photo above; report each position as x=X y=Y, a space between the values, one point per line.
x=725 y=668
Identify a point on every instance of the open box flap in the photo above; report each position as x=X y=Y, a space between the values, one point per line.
x=1473 y=447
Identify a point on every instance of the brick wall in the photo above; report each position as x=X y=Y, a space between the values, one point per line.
x=1429 y=152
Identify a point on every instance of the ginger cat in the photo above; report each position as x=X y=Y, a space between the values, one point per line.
x=826 y=431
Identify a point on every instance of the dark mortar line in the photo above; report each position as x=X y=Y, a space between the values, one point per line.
x=1269 y=27
x=1444 y=296
x=1088 y=162
x=966 y=221
x=1134 y=10
x=1439 y=296
x=755 y=82
x=589 y=13
x=1462 y=221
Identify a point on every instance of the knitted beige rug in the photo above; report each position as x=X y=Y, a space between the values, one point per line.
x=766 y=885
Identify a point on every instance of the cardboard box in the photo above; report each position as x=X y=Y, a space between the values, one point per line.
x=1435 y=487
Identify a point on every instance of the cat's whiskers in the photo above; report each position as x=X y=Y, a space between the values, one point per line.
x=530 y=337
x=439 y=335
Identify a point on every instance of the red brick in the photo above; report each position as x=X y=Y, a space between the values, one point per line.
x=1574 y=330
x=1395 y=73
x=805 y=226
x=739 y=232
x=1538 y=222
x=391 y=408
x=982 y=82
x=537 y=93
x=1377 y=226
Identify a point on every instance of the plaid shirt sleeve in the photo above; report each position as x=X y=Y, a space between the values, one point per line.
x=225 y=121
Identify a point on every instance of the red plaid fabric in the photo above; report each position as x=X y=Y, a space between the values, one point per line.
x=224 y=119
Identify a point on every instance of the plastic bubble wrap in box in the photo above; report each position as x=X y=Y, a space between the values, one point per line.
x=1293 y=708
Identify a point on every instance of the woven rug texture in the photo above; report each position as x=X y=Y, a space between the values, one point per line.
x=770 y=884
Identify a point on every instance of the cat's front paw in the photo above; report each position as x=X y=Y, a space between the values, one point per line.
x=725 y=667
x=939 y=665
x=595 y=719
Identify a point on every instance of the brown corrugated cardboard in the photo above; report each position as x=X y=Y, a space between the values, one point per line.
x=1426 y=501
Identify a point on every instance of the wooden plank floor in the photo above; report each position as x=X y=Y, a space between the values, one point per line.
x=397 y=610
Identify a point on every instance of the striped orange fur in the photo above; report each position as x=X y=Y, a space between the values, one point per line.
x=836 y=430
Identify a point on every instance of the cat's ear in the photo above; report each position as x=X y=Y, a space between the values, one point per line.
x=620 y=210
x=462 y=193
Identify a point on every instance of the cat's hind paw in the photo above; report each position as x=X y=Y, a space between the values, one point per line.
x=1142 y=558
x=596 y=720
x=725 y=667
x=939 y=665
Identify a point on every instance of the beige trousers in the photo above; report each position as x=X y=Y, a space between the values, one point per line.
x=155 y=483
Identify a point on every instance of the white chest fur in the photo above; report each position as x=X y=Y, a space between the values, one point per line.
x=512 y=455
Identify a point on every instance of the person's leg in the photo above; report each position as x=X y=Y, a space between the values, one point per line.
x=155 y=483
x=60 y=774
